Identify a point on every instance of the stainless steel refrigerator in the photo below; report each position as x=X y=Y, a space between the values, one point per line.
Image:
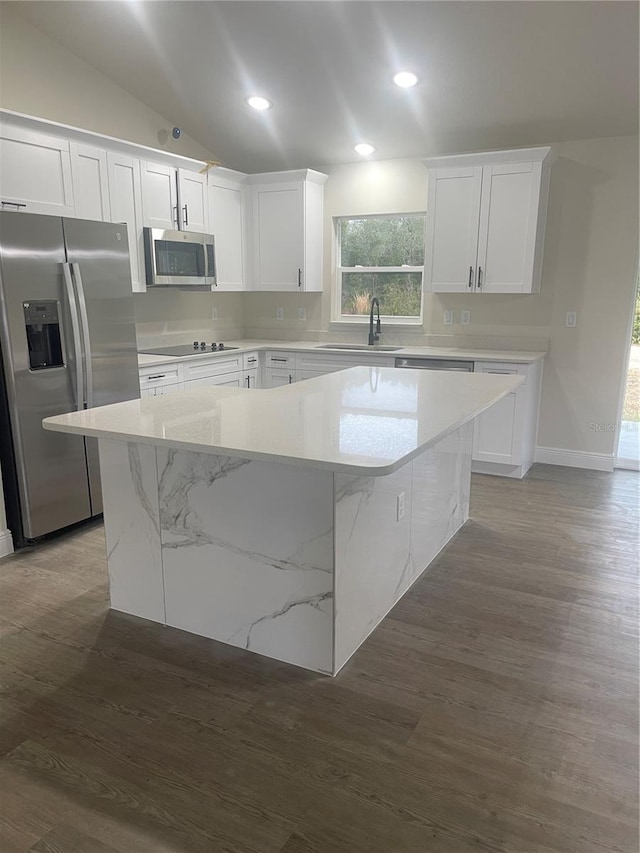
x=68 y=342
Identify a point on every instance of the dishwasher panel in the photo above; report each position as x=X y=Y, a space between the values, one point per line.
x=457 y=365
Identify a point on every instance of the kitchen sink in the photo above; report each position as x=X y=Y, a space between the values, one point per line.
x=359 y=347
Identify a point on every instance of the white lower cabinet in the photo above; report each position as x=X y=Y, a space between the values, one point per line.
x=279 y=368
x=504 y=436
x=159 y=379
x=233 y=380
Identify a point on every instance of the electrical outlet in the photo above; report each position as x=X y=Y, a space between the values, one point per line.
x=400 y=506
x=447 y=318
x=465 y=317
x=279 y=313
x=572 y=319
x=302 y=314
x=214 y=313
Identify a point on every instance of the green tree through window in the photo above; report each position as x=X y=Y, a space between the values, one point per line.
x=381 y=256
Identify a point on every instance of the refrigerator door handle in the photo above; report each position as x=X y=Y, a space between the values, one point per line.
x=84 y=321
x=75 y=328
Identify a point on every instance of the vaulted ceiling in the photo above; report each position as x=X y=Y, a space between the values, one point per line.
x=492 y=74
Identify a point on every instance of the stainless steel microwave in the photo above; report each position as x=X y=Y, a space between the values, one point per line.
x=179 y=259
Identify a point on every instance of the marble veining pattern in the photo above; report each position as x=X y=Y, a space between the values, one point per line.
x=132 y=528
x=248 y=554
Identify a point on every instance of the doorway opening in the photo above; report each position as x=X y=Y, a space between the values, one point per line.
x=628 y=454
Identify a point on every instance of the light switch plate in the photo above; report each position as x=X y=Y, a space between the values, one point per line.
x=400 y=507
x=572 y=319
x=302 y=314
x=214 y=313
x=465 y=317
x=279 y=313
x=447 y=318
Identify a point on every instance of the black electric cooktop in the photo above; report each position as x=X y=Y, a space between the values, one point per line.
x=188 y=349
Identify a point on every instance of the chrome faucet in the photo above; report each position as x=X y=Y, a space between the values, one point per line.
x=373 y=337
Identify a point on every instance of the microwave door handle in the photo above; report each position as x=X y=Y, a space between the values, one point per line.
x=75 y=330
x=210 y=273
x=84 y=322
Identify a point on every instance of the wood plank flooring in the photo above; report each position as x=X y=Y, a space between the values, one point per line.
x=495 y=708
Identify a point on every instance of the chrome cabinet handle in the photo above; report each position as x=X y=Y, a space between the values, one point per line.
x=290 y=379
x=12 y=204
x=470 y=276
x=176 y=218
x=157 y=376
x=283 y=360
x=479 y=277
x=84 y=322
x=75 y=329
x=299 y=277
x=251 y=360
x=186 y=215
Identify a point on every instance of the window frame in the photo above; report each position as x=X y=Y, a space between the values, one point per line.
x=342 y=320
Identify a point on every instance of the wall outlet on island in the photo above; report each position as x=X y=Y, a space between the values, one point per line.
x=302 y=314
x=465 y=317
x=214 y=313
x=572 y=320
x=400 y=506
x=279 y=313
x=447 y=318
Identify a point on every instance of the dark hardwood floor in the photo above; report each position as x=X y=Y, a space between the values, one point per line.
x=495 y=709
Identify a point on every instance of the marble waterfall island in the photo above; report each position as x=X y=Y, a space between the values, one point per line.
x=286 y=521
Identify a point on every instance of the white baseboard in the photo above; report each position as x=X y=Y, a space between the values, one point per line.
x=575 y=459
x=6 y=543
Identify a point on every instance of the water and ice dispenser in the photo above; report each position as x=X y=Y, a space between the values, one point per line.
x=42 y=325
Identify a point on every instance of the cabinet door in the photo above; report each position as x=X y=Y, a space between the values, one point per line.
x=159 y=196
x=276 y=376
x=498 y=432
x=125 y=198
x=451 y=238
x=35 y=172
x=193 y=202
x=278 y=222
x=233 y=380
x=227 y=224
x=90 y=182
x=251 y=378
x=508 y=222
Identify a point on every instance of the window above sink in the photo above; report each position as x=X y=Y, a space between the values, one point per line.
x=379 y=256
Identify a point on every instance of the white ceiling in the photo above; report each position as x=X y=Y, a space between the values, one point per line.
x=493 y=74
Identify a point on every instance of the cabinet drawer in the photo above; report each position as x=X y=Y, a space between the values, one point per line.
x=504 y=368
x=250 y=361
x=156 y=376
x=233 y=380
x=212 y=367
x=276 y=358
x=331 y=363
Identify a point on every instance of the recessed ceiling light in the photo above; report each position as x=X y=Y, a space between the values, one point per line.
x=259 y=103
x=364 y=148
x=405 y=79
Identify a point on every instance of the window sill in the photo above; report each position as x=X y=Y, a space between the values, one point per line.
x=385 y=321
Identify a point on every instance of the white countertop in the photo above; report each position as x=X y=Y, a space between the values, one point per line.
x=515 y=356
x=364 y=420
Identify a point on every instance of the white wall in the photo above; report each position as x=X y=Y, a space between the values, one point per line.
x=40 y=77
x=589 y=267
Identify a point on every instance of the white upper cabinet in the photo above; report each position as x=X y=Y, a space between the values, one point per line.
x=193 y=202
x=287 y=230
x=35 y=172
x=159 y=196
x=126 y=206
x=90 y=182
x=485 y=224
x=227 y=223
